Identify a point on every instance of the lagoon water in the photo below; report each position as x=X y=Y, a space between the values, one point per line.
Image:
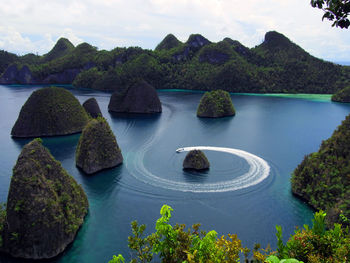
x=278 y=131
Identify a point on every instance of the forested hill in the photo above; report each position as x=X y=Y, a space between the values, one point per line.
x=276 y=65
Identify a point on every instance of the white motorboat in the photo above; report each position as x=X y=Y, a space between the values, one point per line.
x=180 y=150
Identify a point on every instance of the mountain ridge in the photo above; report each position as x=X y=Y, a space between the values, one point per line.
x=276 y=65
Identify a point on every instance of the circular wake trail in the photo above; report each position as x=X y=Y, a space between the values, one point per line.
x=258 y=171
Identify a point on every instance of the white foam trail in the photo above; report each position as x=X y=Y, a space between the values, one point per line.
x=259 y=170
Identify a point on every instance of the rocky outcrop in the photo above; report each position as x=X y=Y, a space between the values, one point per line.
x=138 y=98
x=215 y=104
x=45 y=206
x=91 y=107
x=19 y=76
x=196 y=160
x=194 y=43
x=276 y=40
x=97 y=148
x=342 y=95
x=197 y=40
x=49 y=112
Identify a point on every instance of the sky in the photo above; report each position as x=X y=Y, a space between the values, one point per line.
x=34 y=26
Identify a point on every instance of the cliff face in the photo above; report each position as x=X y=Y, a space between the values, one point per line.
x=215 y=104
x=15 y=75
x=322 y=178
x=45 y=206
x=97 y=148
x=139 y=98
x=196 y=160
x=49 y=112
x=65 y=77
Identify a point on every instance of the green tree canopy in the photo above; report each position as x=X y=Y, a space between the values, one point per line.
x=334 y=10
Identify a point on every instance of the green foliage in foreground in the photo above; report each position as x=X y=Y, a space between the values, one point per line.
x=316 y=244
x=334 y=10
x=174 y=244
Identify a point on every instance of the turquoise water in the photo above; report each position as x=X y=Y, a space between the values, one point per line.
x=314 y=97
x=278 y=130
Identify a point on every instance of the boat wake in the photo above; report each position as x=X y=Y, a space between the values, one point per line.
x=258 y=171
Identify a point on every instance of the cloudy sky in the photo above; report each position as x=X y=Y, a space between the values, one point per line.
x=35 y=25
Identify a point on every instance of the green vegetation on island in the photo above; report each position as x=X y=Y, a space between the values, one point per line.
x=196 y=160
x=322 y=178
x=49 y=112
x=173 y=244
x=97 y=147
x=45 y=206
x=214 y=104
x=277 y=65
x=342 y=95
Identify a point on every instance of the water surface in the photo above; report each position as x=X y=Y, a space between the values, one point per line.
x=278 y=130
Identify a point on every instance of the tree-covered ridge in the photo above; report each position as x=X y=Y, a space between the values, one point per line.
x=276 y=65
x=62 y=47
x=323 y=177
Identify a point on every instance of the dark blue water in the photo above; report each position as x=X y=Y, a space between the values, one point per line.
x=279 y=130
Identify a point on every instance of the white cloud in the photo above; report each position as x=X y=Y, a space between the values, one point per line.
x=13 y=39
x=111 y=23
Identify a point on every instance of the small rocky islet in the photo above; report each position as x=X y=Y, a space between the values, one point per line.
x=92 y=108
x=196 y=160
x=50 y=111
x=97 y=147
x=139 y=97
x=45 y=206
x=215 y=104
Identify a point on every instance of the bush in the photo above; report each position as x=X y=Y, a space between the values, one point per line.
x=175 y=244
